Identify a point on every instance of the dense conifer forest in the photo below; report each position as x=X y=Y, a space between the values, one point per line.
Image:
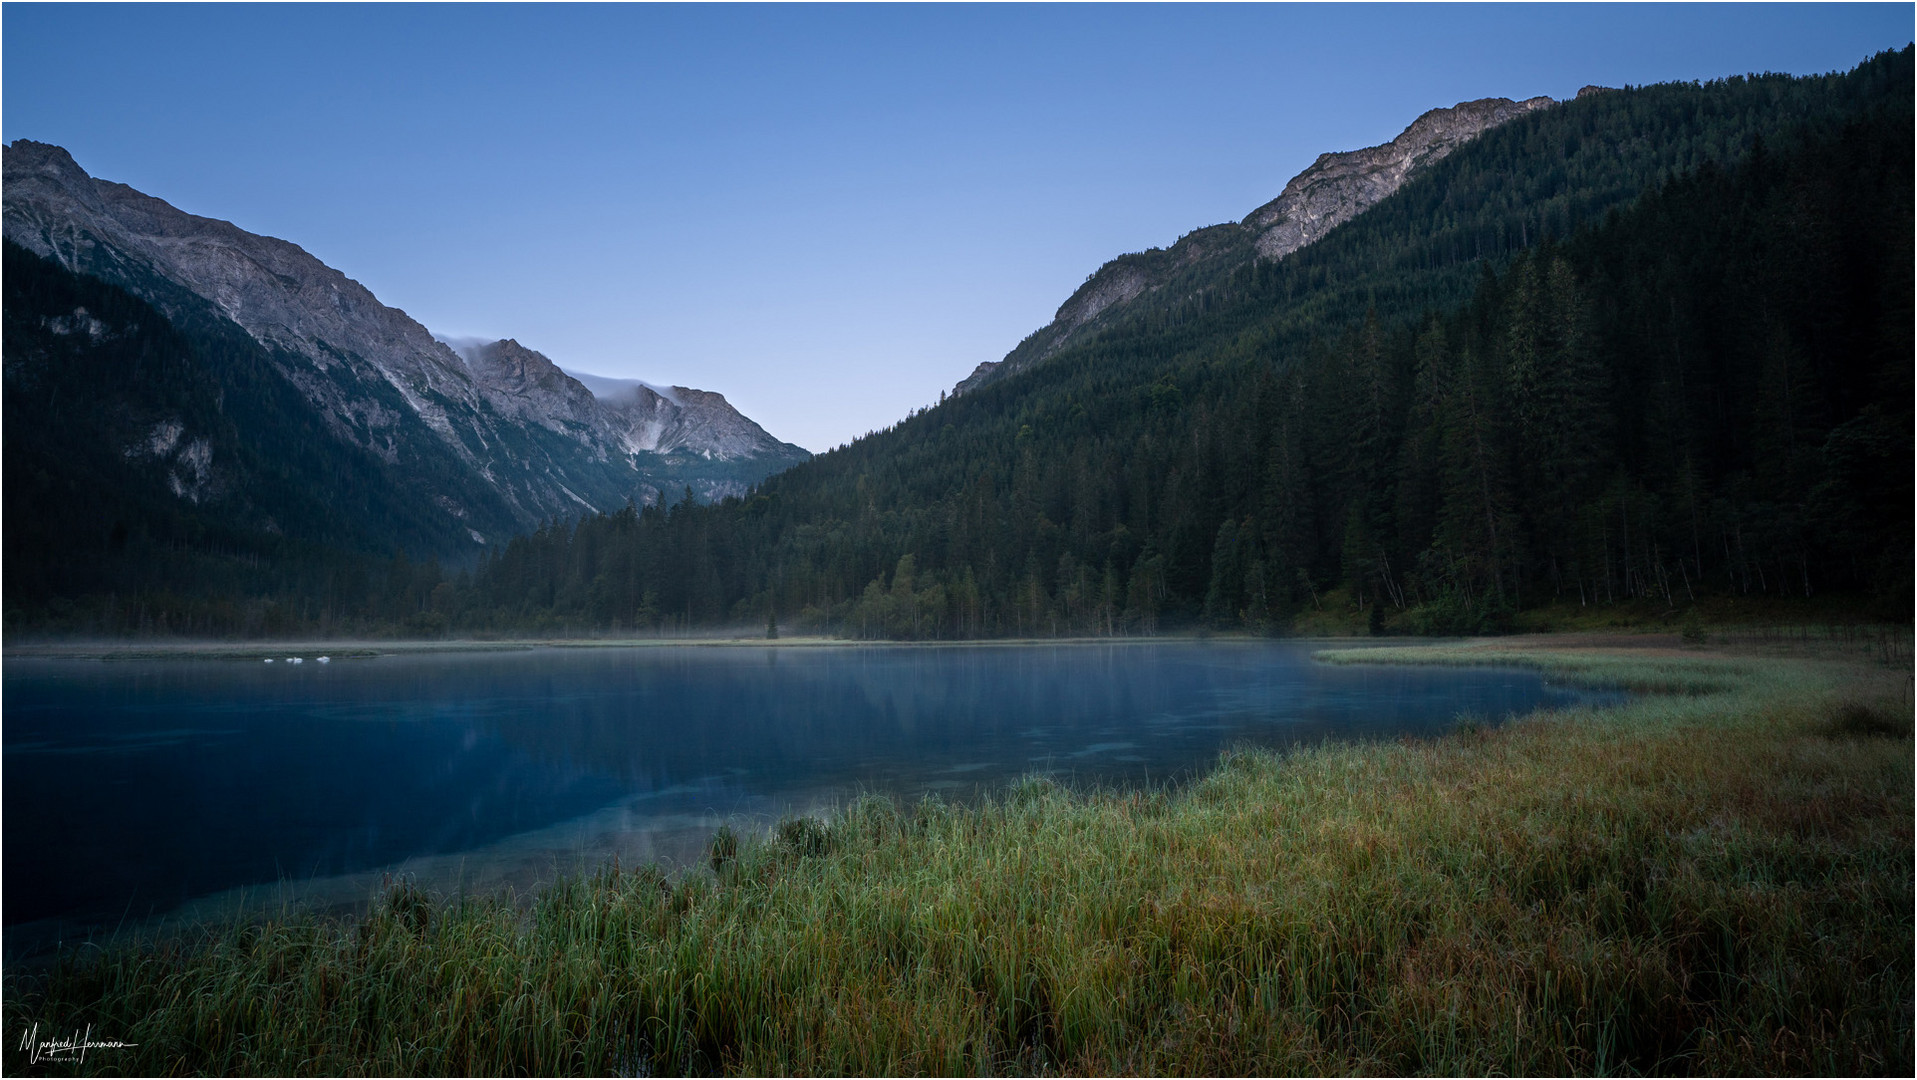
x=1651 y=343
x=1513 y=383
x=163 y=476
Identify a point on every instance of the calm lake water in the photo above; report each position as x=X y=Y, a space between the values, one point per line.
x=133 y=788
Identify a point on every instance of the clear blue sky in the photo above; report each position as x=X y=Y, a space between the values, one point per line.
x=829 y=214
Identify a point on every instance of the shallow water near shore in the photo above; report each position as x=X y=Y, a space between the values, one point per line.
x=141 y=788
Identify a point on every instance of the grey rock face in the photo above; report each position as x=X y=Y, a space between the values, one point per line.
x=1114 y=283
x=381 y=381
x=601 y=412
x=190 y=475
x=980 y=375
x=1336 y=188
x=665 y=420
x=700 y=421
x=523 y=384
x=274 y=290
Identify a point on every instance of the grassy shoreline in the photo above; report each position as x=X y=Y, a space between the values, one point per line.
x=1714 y=879
x=1724 y=620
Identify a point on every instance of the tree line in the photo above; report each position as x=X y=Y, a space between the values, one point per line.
x=1705 y=392
x=1651 y=343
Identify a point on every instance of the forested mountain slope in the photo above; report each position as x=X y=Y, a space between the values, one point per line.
x=1700 y=383
x=163 y=472
x=1334 y=189
x=378 y=379
x=209 y=430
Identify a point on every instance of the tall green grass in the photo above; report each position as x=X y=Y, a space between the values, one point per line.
x=1715 y=881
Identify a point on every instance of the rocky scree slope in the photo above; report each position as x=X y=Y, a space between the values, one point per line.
x=627 y=413
x=1336 y=188
x=536 y=447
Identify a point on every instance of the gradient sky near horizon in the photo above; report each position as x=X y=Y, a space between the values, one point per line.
x=828 y=213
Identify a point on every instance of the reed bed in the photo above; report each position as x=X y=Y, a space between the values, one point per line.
x=1715 y=880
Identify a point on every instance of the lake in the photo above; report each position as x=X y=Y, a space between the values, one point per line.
x=138 y=788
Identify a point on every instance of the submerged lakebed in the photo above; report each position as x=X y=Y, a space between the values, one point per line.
x=135 y=789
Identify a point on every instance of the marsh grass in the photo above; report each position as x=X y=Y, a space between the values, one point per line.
x=1717 y=879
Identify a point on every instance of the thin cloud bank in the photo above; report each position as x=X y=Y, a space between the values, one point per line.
x=610 y=389
x=603 y=387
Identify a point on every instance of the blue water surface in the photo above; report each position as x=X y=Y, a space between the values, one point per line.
x=132 y=787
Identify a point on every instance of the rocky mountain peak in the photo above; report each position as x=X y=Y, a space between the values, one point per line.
x=523 y=384
x=512 y=368
x=682 y=419
x=627 y=413
x=46 y=169
x=279 y=294
x=1339 y=186
x=380 y=382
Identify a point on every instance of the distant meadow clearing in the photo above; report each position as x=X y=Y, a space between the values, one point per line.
x=1714 y=878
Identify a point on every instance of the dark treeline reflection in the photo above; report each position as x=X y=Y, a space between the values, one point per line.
x=136 y=786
